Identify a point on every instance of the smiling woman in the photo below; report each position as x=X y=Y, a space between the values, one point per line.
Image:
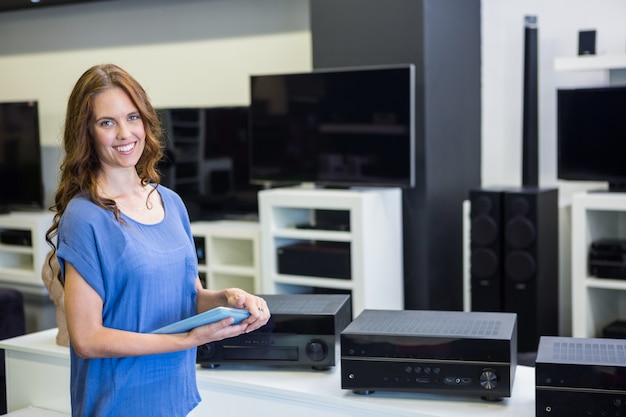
x=128 y=261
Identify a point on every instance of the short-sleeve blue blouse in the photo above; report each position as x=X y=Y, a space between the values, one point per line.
x=146 y=276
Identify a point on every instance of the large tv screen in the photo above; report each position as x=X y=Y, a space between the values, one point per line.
x=207 y=161
x=21 y=182
x=591 y=135
x=343 y=127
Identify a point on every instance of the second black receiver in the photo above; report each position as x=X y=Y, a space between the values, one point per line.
x=303 y=331
x=435 y=352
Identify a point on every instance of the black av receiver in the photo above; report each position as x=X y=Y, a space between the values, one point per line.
x=303 y=330
x=438 y=352
x=580 y=377
x=607 y=258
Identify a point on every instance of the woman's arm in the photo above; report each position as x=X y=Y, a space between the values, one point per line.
x=90 y=339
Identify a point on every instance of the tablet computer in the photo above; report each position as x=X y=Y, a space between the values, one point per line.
x=210 y=316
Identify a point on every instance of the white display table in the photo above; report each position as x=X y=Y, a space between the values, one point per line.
x=35 y=412
x=38 y=376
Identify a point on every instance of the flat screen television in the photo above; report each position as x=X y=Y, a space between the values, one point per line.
x=207 y=161
x=21 y=180
x=591 y=135
x=337 y=128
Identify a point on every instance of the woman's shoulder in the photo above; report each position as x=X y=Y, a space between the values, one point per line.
x=81 y=214
x=174 y=204
x=81 y=205
x=167 y=194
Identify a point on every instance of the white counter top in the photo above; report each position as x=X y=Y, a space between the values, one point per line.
x=43 y=343
x=305 y=391
x=34 y=412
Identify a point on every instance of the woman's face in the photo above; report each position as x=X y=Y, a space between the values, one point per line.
x=117 y=129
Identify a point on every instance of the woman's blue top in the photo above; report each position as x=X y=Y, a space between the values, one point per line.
x=146 y=276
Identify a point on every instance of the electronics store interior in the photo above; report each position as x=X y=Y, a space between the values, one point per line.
x=429 y=195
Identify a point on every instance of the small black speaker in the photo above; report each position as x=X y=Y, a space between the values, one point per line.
x=587 y=42
x=486 y=250
x=530 y=263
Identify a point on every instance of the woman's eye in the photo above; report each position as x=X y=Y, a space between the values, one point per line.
x=106 y=123
x=134 y=117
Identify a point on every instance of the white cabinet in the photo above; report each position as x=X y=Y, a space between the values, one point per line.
x=23 y=249
x=596 y=301
x=228 y=254
x=328 y=226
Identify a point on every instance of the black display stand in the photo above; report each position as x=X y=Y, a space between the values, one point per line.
x=442 y=39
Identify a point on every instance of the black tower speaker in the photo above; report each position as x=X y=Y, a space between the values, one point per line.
x=486 y=250
x=531 y=258
x=514 y=258
x=519 y=271
x=530 y=122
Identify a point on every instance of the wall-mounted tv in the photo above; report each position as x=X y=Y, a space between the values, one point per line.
x=341 y=127
x=21 y=182
x=591 y=135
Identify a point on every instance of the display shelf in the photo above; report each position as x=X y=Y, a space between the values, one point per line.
x=596 y=301
x=23 y=250
x=229 y=254
x=615 y=65
x=590 y=62
x=364 y=223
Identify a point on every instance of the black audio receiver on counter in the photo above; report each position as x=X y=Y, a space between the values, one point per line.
x=442 y=352
x=580 y=377
x=303 y=330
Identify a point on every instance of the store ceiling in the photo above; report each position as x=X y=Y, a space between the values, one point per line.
x=8 y=5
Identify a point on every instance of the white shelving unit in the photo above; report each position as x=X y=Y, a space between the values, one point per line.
x=373 y=235
x=614 y=65
x=23 y=249
x=229 y=254
x=596 y=301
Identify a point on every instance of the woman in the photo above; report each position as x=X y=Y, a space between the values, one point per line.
x=127 y=259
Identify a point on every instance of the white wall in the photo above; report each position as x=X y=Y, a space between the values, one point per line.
x=502 y=80
x=184 y=52
x=502 y=76
x=201 y=52
x=197 y=52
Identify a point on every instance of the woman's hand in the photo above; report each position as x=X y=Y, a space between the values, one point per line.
x=214 y=332
x=259 y=312
x=235 y=298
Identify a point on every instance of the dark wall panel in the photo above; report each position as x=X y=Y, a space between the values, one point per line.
x=442 y=39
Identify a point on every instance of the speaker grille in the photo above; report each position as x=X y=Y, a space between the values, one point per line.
x=305 y=303
x=589 y=351
x=429 y=323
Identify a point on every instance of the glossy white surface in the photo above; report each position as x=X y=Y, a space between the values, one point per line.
x=38 y=375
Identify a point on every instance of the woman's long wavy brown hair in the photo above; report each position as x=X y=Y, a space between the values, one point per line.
x=80 y=166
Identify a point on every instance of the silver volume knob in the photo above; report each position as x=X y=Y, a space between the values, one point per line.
x=489 y=379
